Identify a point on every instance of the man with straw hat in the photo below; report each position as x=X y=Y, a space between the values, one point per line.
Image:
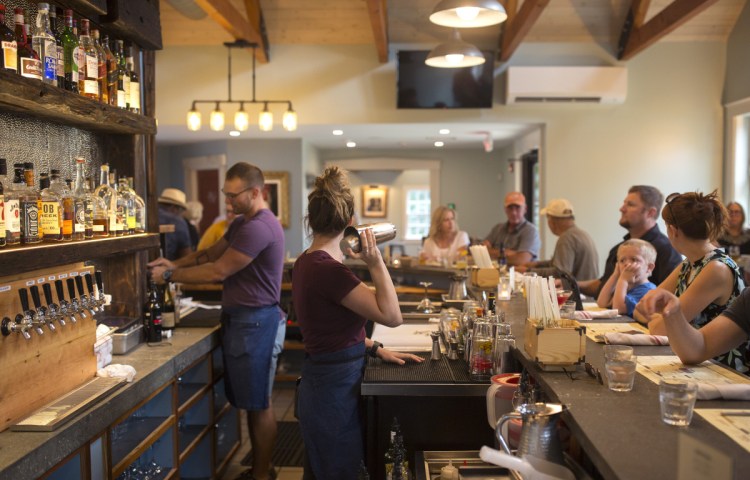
x=171 y=206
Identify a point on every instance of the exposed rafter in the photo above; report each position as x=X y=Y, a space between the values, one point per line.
x=518 y=25
x=379 y=20
x=231 y=20
x=636 y=38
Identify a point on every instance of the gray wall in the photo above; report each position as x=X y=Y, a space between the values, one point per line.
x=737 y=82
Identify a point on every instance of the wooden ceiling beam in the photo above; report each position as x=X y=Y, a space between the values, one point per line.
x=635 y=39
x=379 y=21
x=520 y=24
x=231 y=20
x=511 y=8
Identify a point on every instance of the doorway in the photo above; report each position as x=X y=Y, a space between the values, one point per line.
x=203 y=181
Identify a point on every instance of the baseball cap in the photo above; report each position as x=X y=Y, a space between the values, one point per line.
x=558 y=207
x=515 y=198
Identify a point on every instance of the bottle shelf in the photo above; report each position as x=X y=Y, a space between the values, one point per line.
x=25 y=258
x=28 y=96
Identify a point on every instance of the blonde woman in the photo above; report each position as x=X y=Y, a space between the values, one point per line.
x=445 y=240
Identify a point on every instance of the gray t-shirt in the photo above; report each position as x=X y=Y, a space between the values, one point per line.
x=575 y=253
x=525 y=238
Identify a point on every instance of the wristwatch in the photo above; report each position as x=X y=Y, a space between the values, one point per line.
x=373 y=351
x=167 y=275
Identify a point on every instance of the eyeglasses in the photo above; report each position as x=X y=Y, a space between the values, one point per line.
x=668 y=201
x=232 y=196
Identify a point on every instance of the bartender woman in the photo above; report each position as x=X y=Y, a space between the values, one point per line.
x=332 y=307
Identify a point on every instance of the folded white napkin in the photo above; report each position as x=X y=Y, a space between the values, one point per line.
x=734 y=391
x=616 y=338
x=117 y=371
x=591 y=314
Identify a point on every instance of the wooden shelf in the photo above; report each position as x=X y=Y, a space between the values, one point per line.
x=26 y=258
x=31 y=97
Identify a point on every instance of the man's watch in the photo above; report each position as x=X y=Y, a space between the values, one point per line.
x=373 y=351
x=167 y=275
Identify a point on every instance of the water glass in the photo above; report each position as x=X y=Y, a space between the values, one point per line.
x=568 y=310
x=677 y=399
x=620 y=374
x=617 y=352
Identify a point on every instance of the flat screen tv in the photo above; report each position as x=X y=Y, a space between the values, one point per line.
x=422 y=86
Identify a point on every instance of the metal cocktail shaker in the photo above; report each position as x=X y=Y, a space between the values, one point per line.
x=383 y=231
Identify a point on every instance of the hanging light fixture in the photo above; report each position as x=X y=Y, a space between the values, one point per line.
x=468 y=13
x=241 y=117
x=455 y=54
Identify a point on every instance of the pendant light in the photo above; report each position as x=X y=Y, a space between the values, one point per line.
x=455 y=54
x=468 y=13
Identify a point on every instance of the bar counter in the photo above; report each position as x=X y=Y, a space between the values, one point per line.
x=28 y=455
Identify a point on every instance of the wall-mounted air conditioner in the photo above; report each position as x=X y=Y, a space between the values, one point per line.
x=566 y=85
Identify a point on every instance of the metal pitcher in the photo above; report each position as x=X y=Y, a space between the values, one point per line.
x=457 y=290
x=383 y=231
x=539 y=435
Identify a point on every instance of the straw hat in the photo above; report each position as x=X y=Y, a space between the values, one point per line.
x=558 y=207
x=173 y=196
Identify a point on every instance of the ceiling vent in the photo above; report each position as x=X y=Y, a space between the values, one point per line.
x=607 y=85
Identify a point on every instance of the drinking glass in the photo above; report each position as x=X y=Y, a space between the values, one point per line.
x=617 y=352
x=677 y=399
x=620 y=374
x=426 y=305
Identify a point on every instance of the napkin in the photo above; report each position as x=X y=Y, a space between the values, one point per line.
x=591 y=314
x=617 y=338
x=734 y=391
x=117 y=371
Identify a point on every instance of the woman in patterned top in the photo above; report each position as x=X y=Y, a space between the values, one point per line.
x=708 y=280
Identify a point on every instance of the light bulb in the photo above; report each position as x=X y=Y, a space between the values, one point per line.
x=217 y=120
x=194 y=120
x=241 y=120
x=454 y=59
x=290 y=120
x=467 y=13
x=265 y=120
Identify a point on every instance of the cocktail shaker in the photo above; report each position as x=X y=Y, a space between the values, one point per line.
x=383 y=231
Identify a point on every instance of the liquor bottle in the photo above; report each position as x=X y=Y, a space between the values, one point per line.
x=99 y=214
x=28 y=60
x=29 y=201
x=43 y=43
x=12 y=212
x=8 y=45
x=109 y=197
x=168 y=311
x=111 y=72
x=88 y=64
x=140 y=209
x=152 y=315
x=389 y=453
x=135 y=84
x=123 y=190
x=3 y=173
x=101 y=59
x=120 y=207
x=60 y=188
x=123 y=78
x=70 y=53
x=83 y=225
x=60 y=65
x=50 y=215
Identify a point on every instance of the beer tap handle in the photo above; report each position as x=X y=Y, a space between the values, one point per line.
x=99 y=283
x=89 y=284
x=6 y=326
x=79 y=285
x=24 y=295
x=48 y=293
x=71 y=288
x=60 y=291
x=35 y=297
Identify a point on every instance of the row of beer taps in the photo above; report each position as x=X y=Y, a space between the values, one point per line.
x=48 y=315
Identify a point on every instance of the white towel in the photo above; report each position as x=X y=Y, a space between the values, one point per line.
x=734 y=391
x=616 y=338
x=591 y=314
x=117 y=371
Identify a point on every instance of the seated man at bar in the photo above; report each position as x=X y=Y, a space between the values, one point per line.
x=516 y=242
x=171 y=206
x=575 y=251
x=638 y=215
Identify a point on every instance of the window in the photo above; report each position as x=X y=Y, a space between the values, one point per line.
x=417 y=212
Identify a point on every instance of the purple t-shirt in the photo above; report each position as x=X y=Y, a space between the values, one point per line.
x=259 y=283
x=319 y=283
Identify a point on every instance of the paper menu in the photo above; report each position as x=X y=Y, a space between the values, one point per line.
x=734 y=423
x=658 y=367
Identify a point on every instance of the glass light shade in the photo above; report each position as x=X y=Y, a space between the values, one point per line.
x=265 y=120
x=217 y=120
x=290 y=120
x=194 y=120
x=241 y=120
x=468 y=13
x=455 y=54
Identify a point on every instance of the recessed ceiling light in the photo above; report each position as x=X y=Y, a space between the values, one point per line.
x=439 y=144
x=351 y=144
x=444 y=131
x=338 y=132
x=234 y=133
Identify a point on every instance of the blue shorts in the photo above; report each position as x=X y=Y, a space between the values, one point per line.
x=252 y=338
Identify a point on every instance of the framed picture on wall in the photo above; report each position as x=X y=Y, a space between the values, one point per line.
x=276 y=193
x=374 y=201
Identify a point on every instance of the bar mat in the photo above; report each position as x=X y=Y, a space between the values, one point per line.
x=429 y=371
x=201 y=318
x=289 y=450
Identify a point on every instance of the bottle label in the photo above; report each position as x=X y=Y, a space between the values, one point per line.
x=135 y=95
x=98 y=227
x=76 y=65
x=50 y=60
x=12 y=216
x=31 y=68
x=60 y=61
x=131 y=222
x=167 y=320
x=92 y=67
x=91 y=86
x=121 y=99
x=30 y=224
x=50 y=218
x=80 y=218
x=10 y=55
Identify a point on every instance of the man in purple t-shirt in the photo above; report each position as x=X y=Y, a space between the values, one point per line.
x=249 y=260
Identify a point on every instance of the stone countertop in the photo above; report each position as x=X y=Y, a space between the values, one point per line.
x=28 y=455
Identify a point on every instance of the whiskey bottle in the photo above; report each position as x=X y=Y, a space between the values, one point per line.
x=3 y=173
x=168 y=311
x=140 y=209
x=88 y=68
x=43 y=42
x=50 y=215
x=8 y=46
x=123 y=79
x=152 y=315
x=83 y=215
x=60 y=188
x=60 y=65
x=135 y=84
x=111 y=72
x=29 y=201
x=99 y=215
x=12 y=208
x=28 y=60
x=101 y=59
x=120 y=206
x=109 y=198
x=70 y=53
x=123 y=190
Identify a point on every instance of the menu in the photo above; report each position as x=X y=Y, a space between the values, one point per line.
x=669 y=367
x=596 y=331
x=734 y=423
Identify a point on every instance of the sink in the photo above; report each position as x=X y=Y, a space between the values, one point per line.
x=469 y=465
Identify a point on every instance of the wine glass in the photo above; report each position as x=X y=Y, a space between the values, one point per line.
x=426 y=305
